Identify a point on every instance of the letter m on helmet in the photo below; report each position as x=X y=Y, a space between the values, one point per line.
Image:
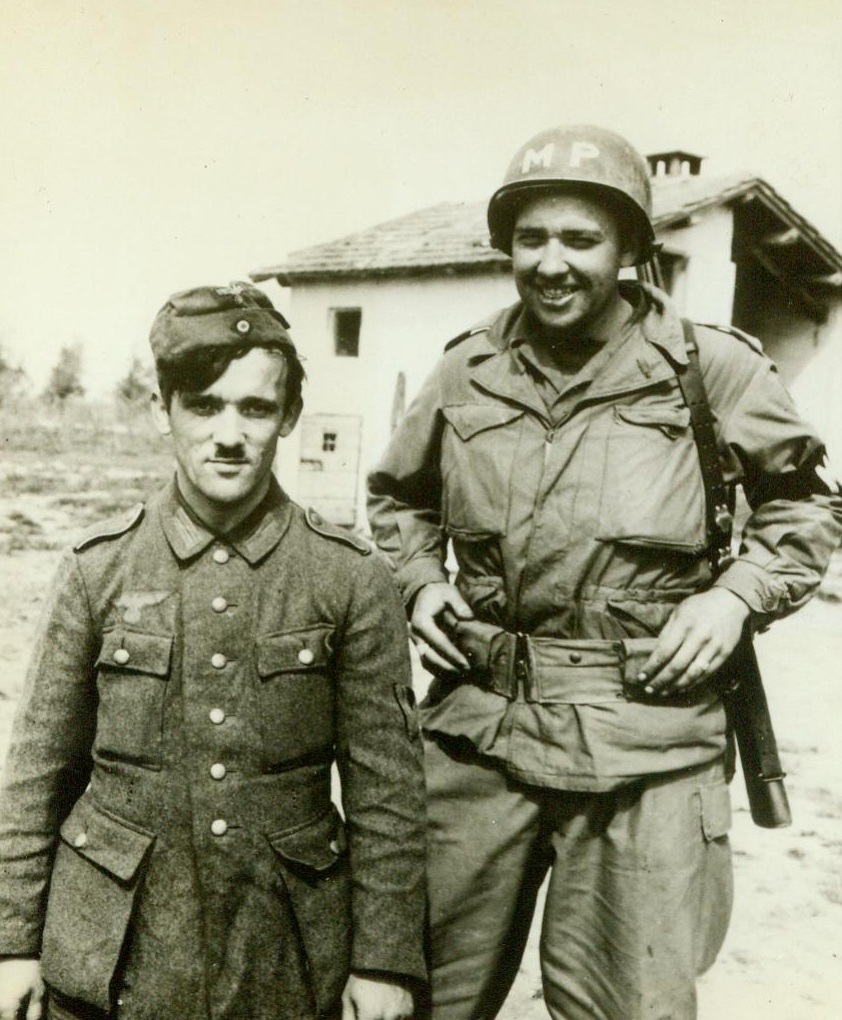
x=533 y=159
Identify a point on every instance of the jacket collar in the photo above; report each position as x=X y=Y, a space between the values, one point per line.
x=648 y=352
x=254 y=538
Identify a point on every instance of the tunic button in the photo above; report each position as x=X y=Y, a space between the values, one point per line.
x=218 y=770
x=218 y=661
x=334 y=847
x=121 y=656
x=81 y=840
x=216 y=716
x=575 y=658
x=219 y=826
x=221 y=556
x=219 y=604
x=306 y=656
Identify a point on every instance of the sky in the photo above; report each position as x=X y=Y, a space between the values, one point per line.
x=150 y=146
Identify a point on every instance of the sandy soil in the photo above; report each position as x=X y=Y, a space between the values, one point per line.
x=781 y=960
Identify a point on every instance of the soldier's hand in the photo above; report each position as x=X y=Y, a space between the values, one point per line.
x=434 y=646
x=368 y=998
x=696 y=640
x=20 y=979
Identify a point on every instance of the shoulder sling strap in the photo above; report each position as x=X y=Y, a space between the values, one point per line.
x=719 y=497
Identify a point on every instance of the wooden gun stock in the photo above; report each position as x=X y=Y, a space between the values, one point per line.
x=748 y=712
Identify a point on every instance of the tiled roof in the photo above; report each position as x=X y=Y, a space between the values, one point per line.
x=453 y=237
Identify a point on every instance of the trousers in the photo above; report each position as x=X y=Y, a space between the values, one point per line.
x=637 y=903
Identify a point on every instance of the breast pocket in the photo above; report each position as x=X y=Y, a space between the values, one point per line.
x=479 y=451
x=296 y=693
x=652 y=491
x=132 y=674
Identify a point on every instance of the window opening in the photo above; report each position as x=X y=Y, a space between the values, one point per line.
x=346 y=331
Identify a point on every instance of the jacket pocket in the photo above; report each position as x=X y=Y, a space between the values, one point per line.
x=313 y=863
x=715 y=876
x=95 y=879
x=132 y=674
x=640 y=618
x=296 y=693
x=715 y=805
x=479 y=449
x=652 y=492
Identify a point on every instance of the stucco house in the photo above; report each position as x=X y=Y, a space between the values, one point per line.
x=371 y=312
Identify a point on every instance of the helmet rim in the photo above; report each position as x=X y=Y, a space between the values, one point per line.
x=504 y=203
x=582 y=158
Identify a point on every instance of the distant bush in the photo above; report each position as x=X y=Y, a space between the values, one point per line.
x=66 y=376
x=40 y=425
x=137 y=385
x=14 y=383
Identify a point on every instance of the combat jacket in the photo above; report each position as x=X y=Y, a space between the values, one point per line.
x=584 y=518
x=168 y=841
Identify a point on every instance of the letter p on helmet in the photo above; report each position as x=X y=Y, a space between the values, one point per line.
x=580 y=151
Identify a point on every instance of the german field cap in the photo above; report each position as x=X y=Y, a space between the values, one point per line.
x=239 y=315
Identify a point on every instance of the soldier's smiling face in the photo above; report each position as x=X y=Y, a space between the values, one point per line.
x=225 y=436
x=567 y=251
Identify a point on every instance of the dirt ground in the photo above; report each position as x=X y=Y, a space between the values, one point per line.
x=781 y=960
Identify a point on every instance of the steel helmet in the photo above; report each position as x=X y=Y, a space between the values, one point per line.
x=587 y=157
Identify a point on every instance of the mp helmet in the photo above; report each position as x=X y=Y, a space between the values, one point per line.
x=588 y=159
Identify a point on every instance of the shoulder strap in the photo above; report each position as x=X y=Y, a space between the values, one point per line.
x=114 y=527
x=318 y=524
x=474 y=331
x=719 y=497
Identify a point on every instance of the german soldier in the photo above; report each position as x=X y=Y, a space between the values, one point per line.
x=168 y=845
x=574 y=725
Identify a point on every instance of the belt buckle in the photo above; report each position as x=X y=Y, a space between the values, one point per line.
x=521 y=674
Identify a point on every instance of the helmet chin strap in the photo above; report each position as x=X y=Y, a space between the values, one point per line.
x=649 y=271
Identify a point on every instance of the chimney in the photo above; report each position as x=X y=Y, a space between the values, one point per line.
x=674 y=163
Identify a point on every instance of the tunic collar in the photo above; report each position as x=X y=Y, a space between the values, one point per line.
x=254 y=538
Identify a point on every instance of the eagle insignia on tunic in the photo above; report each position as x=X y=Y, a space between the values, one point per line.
x=132 y=603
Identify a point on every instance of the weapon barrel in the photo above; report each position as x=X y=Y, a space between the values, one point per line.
x=748 y=711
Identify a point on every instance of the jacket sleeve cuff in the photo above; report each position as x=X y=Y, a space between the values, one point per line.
x=20 y=941
x=400 y=963
x=764 y=594
x=413 y=576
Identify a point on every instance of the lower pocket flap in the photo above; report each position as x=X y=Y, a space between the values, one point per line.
x=318 y=844
x=106 y=841
x=716 y=810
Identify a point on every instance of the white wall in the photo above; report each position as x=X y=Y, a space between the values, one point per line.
x=705 y=290
x=817 y=390
x=405 y=325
